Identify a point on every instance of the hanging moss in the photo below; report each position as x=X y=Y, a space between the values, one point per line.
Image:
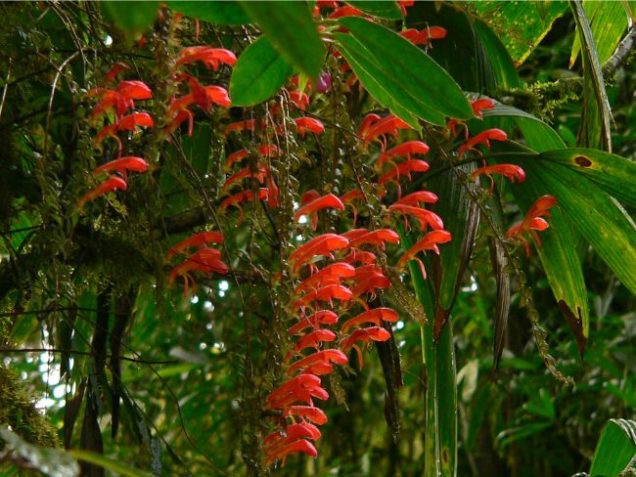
x=17 y=410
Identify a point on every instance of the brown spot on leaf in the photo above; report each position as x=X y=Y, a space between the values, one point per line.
x=445 y=455
x=583 y=161
x=576 y=325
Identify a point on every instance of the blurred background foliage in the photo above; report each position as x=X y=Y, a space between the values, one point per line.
x=184 y=396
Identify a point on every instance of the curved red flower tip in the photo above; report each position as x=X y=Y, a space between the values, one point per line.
x=480 y=105
x=423 y=216
x=207 y=96
x=179 y=118
x=299 y=393
x=299 y=99
x=112 y=73
x=387 y=126
x=305 y=381
x=308 y=196
x=300 y=446
x=322 y=317
x=511 y=171
x=312 y=414
x=306 y=123
x=212 y=58
x=360 y=256
x=327 y=356
x=403 y=169
x=236 y=156
x=418 y=197
x=533 y=222
x=245 y=125
x=130 y=122
x=206 y=260
x=312 y=340
x=296 y=431
x=259 y=174
x=403 y=4
x=376 y=237
x=111 y=184
x=132 y=89
x=424 y=36
x=123 y=165
x=331 y=274
x=368 y=121
x=364 y=335
x=429 y=242
x=327 y=294
x=346 y=11
x=321 y=245
x=311 y=209
x=369 y=284
x=406 y=149
x=198 y=240
x=374 y=316
x=484 y=138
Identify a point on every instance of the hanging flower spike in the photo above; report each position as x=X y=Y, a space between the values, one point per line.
x=123 y=165
x=259 y=174
x=365 y=335
x=322 y=317
x=423 y=216
x=305 y=124
x=331 y=274
x=311 y=209
x=198 y=240
x=212 y=58
x=326 y=294
x=322 y=245
x=406 y=149
x=374 y=316
x=533 y=222
x=111 y=184
x=416 y=198
x=429 y=242
x=484 y=138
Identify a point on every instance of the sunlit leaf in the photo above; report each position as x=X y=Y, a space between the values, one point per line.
x=615 y=448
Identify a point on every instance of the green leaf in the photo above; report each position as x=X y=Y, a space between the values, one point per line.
x=418 y=73
x=499 y=63
x=385 y=88
x=520 y=25
x=608 y=21
x=226 y=12
x=379 y=8
x=595 y=116
x=132 y=18
x=292 y=31
x=614 y=174
x=258 y=75
x=615 y=448
x=539 y=136
x=111 y=465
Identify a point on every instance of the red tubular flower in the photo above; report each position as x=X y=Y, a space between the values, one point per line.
x=406 y=149
x=331 y=274
x=207 y=96
x=212 y=58
x=259 y=174
x=327 y=294
x=429 y=242
x=480 y=105
x=511 y=171
x=365 y=335
x=111 y=184
x=327 y=356
x=311 y=208
x=346 y=11
x=322 y=317
x=313 y=414
x=302 y=381
x=305 y=124
x=533 y=222
x=299 y=430
x=299 y=99
x=377 y=130
x=415 y=198
x=369 y=284
x=114 y=71
x=403 y=169
x=403 y=4
x=299 y=446
x=198 y=240
x=123 y=165
x=242 y=197
x=423 y=216
x=348 y=199
x=360 y=256
x=321 y=245
x=424 y=36
x=266 y=150
x=484 y=138
x=206 y=260
x=133 y=89
x=374 y=316
x=312 y=340
x=245 y=125
x=376 y=237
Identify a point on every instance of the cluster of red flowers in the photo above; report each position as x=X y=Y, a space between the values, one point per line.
x=115 y=103
x=205 y=259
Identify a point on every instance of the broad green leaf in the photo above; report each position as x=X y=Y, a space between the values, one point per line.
x=608 y=21
x=290 y=28
x=111 y=465
x=385 y=88
x=597 y=216
x=615 y=448
x=417 y=72
x=520 y=25
x=258 y=75
x=380 y=8
x=595 y=116
x=132 y=18
x=538 y=135
x=197 y=147
x=226 y=12
x=614 y=174
x=499 y=63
